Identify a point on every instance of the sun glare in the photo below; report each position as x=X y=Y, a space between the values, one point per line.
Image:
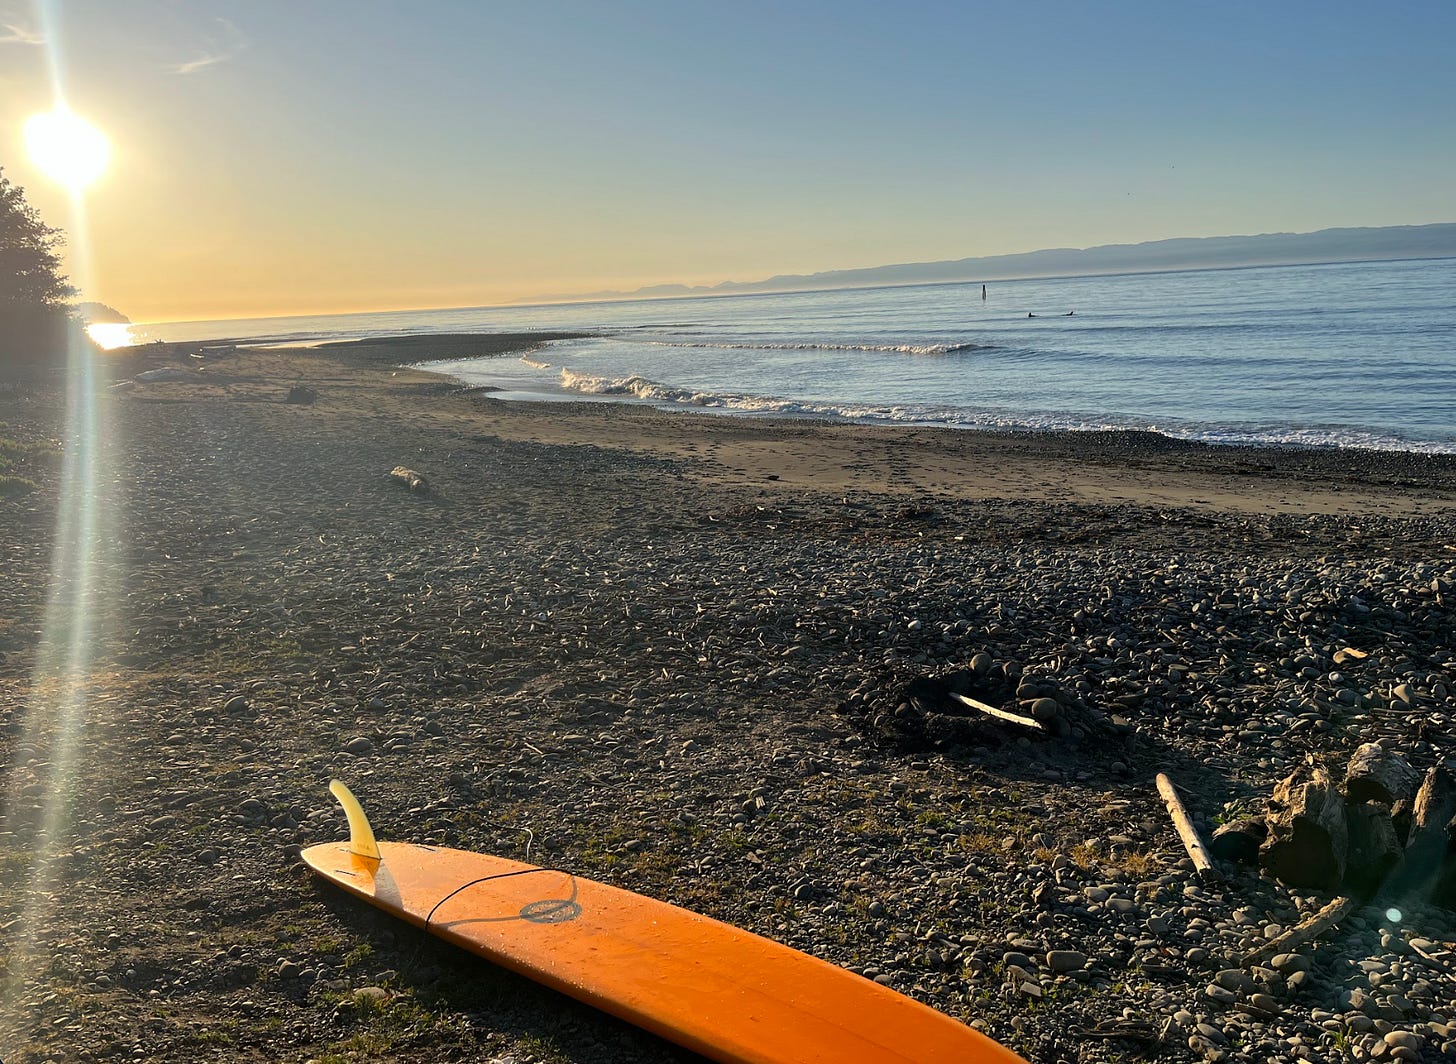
x=109 y=335
x=67 y=148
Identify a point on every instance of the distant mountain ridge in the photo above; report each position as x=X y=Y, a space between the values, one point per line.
x=1180 y=253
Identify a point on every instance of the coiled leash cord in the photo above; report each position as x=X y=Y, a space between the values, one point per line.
x=567 y=903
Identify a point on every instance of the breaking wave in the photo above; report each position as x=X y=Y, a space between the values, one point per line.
x=638 y=387
x=1324 y=436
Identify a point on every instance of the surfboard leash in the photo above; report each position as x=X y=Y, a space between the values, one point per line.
x=567 y=903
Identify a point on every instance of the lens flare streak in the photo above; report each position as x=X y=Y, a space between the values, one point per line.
x=48 y=749
x=56 y=713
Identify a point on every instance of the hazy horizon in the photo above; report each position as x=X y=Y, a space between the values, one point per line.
x=278 y=160
x=731 y=288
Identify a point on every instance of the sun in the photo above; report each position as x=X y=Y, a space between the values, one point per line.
x=67 y=148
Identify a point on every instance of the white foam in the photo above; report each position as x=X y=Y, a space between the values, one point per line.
x=641 y=388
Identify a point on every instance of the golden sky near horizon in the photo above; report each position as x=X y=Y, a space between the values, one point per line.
x=276 y=158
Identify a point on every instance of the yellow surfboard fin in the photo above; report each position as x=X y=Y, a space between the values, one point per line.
x=361 y=836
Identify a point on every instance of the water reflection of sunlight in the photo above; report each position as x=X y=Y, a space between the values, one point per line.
x=110 y=335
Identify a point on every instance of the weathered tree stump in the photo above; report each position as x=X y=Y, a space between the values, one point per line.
x=1308 y=841
x=1374 y=848
x=1427 y=869
x=1376 y=774
x=1401 y=813
x=1435 y=801
x=1239 y=840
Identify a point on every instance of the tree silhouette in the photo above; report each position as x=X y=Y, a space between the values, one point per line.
x=34 y=315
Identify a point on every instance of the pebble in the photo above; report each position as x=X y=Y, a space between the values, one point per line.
x=1066 y=960
x=1222 y=995
x=1045 y=709
x=1236 y=979
x=541 y=653
x=1265 y=1003
x=1212 y=1033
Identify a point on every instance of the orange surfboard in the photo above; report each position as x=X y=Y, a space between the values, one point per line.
x=723 y=992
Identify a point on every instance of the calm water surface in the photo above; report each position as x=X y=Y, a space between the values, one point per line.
x=1356 y=354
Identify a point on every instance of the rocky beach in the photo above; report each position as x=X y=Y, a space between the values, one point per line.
x=710 y=660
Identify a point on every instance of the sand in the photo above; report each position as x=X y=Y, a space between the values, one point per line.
x=811 y=457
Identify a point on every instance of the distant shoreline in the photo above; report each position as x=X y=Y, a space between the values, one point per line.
x=1323 y=246
x=785 y=291
x=629 y=298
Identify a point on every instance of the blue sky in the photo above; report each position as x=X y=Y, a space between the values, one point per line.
x=282 y=157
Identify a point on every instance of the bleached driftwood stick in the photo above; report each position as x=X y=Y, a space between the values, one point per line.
x=410 y=479
x=999 y=714
x=1186 y=831
x=1302 y=932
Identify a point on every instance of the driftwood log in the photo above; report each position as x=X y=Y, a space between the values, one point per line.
x=412 y=480
x=1376 y=774
x=1302 y=932
x=1426 y=870
x=1435 y=802
x=999 y=714
x=1239 y=840
x=1308 y=840
x=1202 y=860
x=1374 y=846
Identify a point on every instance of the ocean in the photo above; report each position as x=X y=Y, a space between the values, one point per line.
x=1332 y=355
